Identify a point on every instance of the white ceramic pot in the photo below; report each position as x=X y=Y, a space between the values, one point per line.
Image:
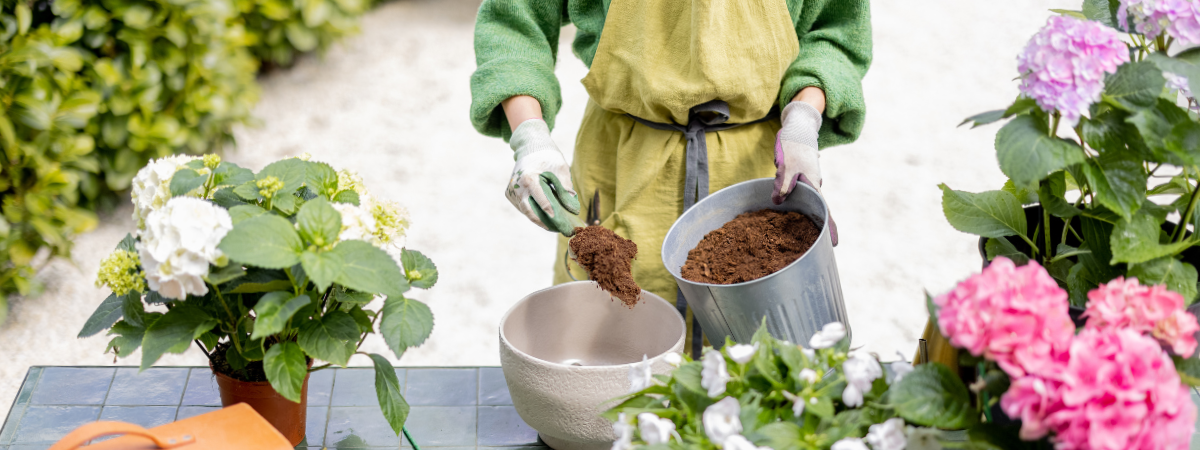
x=566 y=353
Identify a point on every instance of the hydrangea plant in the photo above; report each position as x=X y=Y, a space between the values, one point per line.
x=264 y=271
x=1104 y=140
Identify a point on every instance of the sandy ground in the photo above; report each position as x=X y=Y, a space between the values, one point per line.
x=392 y=104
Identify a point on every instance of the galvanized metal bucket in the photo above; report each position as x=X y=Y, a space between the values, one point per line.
x=796 y=301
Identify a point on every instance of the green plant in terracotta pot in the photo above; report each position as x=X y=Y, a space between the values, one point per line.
x=272 y=274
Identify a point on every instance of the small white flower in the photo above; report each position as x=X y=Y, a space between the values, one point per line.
x=739 y=442
x=721 y=420
x=624 y=431
x=742 y=353
x=861 y=369
x=178 y=244
x=674 y=359
x=655 y=430
x=640 y=376
x=829 y=335
x=900 y=368
x=888 y=435
x=808 y=376
x=849 y=444
x=797 y=403
x=151 y=187
x=808 y=353
x=920 y=438
x=713 y=374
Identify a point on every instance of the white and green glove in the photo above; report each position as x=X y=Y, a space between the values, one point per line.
x=540 y=186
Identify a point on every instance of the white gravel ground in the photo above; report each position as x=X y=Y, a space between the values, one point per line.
x=392 y=104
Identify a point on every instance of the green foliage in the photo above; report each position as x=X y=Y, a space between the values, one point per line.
x=291 y=291
x=933 y=396
x=280 y=29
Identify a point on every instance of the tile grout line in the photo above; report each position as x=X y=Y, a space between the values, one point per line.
x=478 y=392
x=329 y=407
x=25 y=407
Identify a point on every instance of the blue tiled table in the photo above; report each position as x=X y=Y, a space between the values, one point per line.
x=452 y=408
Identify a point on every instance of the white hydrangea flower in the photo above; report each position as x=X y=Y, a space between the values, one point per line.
x=721 y=419
x=179 y=243
x=861 y=369
x=382 y=223
x=888 y=435
x=655 y=430
x=350 y=180
x=742 y=353
x=849 y=444
x=624 y=431
x=640 y=375
x=829 y=335
x=151 y=187
x=798 y=403
x=713 y=373
x=674 y=359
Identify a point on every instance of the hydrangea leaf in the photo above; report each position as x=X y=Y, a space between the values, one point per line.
x=1154 y=126
x=1188 y=368
x=1135 y=84
x=330 y=338
x=419 y=269
x=991 y=214
x=346 y=196
x=406 y=323
x=322 y=267
x=1103 y=11
x=1023 y=195
x=290 y=171
x=369 y=269
x=1177 y=275
x=1186 y=63
x=225 y=274
x=257 y=281
x=127 y=340
x=1137 y=241
x=273 y=311
x=244 y=211
x=248 y=191
x=230 y=174
x=265 y=241
x=109 y=312
x=1003 y=247
x=285 y=367
x=1054 y=203
x=175 y=329
x=186 y=180
x=321 y=178
x=1119 y=182
x=348 y=296
x=134 y=311
x=387 y=389
x=1027 y=153
x=932 y=395
x=318 y=223
x=227 y=199
x=129 y=243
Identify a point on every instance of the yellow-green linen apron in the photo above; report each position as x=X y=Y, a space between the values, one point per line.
x=656 y=61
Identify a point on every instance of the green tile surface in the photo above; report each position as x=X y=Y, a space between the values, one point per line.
x=456 y=408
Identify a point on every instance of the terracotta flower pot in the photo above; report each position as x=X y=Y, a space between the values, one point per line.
x=285 y=415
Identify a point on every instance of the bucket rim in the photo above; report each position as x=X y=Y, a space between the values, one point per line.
x=823 y=236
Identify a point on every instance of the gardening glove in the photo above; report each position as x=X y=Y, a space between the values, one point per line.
x=540 y=186
x=796 y=154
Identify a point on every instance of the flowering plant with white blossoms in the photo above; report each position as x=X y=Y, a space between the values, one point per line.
x=272 y=274
x=774 y=395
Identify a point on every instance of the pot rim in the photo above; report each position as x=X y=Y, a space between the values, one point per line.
x=823 y=235
x=645 y=294
x=255 y=383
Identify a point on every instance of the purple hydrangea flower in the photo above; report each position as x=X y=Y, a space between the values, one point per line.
x=1063 y=65
x=1180 y=19
x=1179 y=83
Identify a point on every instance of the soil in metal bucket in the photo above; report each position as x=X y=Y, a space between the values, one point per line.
x=608 y=259
x=751 y=246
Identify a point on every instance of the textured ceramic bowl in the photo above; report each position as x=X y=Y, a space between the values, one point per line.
x=566 y=353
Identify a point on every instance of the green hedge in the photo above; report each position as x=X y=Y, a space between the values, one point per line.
x=91 y=90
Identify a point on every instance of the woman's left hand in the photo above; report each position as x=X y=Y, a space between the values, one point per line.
x=796 y=153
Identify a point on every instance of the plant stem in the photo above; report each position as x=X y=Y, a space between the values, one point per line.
x=1054 y=124
x=983 y=394
x=1066 y=229
x=206 y=352
x=1186 y=218
x=1046 y=233
x=364 y=336
x=223 y=304
x=1160 y=43
x=320 y=367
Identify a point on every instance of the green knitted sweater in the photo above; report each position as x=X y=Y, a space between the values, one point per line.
x=516 y=45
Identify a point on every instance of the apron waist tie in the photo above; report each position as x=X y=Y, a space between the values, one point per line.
x=704 y=118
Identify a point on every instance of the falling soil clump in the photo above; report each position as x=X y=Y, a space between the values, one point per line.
x=751 y=246
x=608 y=258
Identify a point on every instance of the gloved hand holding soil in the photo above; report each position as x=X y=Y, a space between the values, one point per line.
x=751 y=246
x=608 y=259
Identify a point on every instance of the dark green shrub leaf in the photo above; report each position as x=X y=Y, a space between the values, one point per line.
x=369 y=269
x=1103 y=11
x=1136 y=84
x=1137 y=241
x=128 y=339
x=1027 y=153
x=419 y=269
x=176 y=329
x=1119 y=181
x=225 y=274
x=330 y=338
x=109 y=312
x=135 y=313
x=387 y=388
x=319 y=223
x=406 y=323
x=285 y=367
x=273 y=312
x=185 y=181
x=932 y=395
x=1003 y=247
x=1178 y=276
x=257 y=281
x=1155 y=125
x=1054 y=203
x=265 y=241
x=989 y=214
x=227 y=199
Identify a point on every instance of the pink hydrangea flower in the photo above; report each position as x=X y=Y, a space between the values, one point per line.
x=1180 y=19
x=1116 y=390
x=1063 y=65
x=1153 y=310
x=1016 y=316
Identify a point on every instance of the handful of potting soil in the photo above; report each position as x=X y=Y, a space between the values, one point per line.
x=608 y=258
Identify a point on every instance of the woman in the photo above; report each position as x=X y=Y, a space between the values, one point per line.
x=687 y=97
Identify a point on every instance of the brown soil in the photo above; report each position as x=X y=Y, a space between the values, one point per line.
x=252 y=372
x=751 y=246
x=608 y=258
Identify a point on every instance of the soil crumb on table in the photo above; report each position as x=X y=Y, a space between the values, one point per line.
x=608 y=258
x=751 y=246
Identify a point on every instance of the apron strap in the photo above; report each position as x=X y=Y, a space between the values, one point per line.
x=704 y=118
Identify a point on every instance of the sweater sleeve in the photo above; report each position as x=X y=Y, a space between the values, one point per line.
x=516 y=43
x=835 y=52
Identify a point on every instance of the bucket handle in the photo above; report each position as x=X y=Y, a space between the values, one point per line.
x=83 y=434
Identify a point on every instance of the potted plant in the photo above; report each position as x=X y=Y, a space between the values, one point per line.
x=1101 y=148
x=267 y=273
